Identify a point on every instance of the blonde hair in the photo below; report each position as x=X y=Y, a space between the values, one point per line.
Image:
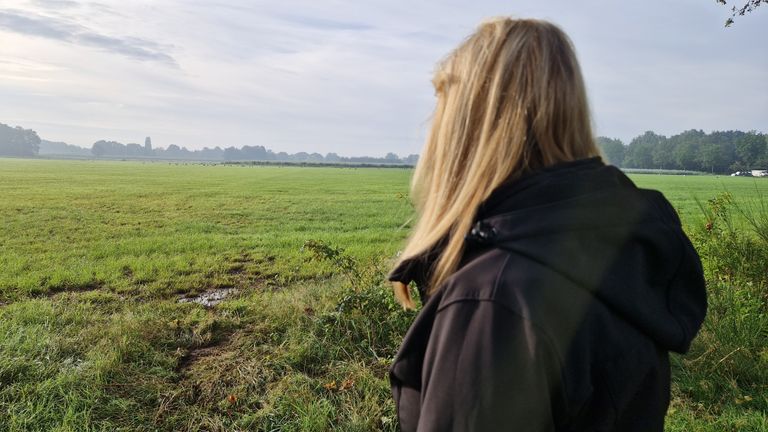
x=510 y=100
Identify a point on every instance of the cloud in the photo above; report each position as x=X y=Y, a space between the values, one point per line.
x=130 y=47
x=59 y=29
x=38 y=27
x=323 y=23
x=58 y=4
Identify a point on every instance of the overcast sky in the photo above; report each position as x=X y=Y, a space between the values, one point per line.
x=351 y=77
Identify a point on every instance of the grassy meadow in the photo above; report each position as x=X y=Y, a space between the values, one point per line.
x=99 y=259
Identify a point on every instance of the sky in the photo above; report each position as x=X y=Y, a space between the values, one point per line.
x=351 y=77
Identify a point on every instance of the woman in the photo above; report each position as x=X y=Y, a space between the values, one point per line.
x=552 y=287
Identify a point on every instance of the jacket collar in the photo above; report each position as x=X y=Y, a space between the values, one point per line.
x=418 y=269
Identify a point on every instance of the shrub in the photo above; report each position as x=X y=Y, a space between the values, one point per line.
x=724 y=379
x=367 y=321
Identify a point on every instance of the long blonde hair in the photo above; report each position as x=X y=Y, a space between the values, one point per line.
x=510 y=100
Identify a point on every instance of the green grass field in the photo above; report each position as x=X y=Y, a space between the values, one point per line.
x=94 y=257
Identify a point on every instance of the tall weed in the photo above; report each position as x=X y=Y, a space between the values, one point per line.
x=755 y=211
x=367 y=320
x=728 y=364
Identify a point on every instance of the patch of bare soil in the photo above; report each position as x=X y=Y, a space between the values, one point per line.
x=197 y=354
x=69 y=287
x=209 y=298
x=245 y=271
x=193 y=379
x=242 y=274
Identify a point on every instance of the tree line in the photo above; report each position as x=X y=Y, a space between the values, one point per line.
x=693 y=150
x=20 y=142
x=233 y=154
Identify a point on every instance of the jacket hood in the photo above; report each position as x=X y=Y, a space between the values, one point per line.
x=592 y=225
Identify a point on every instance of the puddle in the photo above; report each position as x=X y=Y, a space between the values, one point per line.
x=209 y=298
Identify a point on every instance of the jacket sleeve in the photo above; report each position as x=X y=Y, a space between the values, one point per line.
x=487 y=369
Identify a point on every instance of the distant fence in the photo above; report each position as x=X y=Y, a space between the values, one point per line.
x=662 y=171
x=320 y=164
x=221 y=162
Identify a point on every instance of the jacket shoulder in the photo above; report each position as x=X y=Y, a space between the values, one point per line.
x=663 y=207
x=477 y=280
x=512 y=280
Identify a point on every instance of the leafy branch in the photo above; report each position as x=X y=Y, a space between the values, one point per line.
x=748 y=7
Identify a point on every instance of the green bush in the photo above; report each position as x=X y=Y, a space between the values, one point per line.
x=367 y=321
x=723 y=381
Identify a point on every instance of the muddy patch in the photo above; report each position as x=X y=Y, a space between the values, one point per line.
x=65 y=288
x=209 y=298
x=196 y=354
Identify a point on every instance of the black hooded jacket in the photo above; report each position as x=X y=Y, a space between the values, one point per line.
x=574 y=286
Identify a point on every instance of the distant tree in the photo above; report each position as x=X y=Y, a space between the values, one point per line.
x=315 y=157
x=663 y=154
x=749 y=148
x=332 y=157
x=16 y=141
x=613 y=149
x=231 y=154
x=147 y=146
x=98 y=149
x=685 y=156
x=640 y=151
x=173 y=151
x=762 y=160
x=707 y=156
x=61 y=148
x=108 y=148
x=726 y=145
x=686 y=145
x=713 y=154
x=411 y=159
x=253 y=153
x=134 y=150
x=392 y=158
x=215 y=153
